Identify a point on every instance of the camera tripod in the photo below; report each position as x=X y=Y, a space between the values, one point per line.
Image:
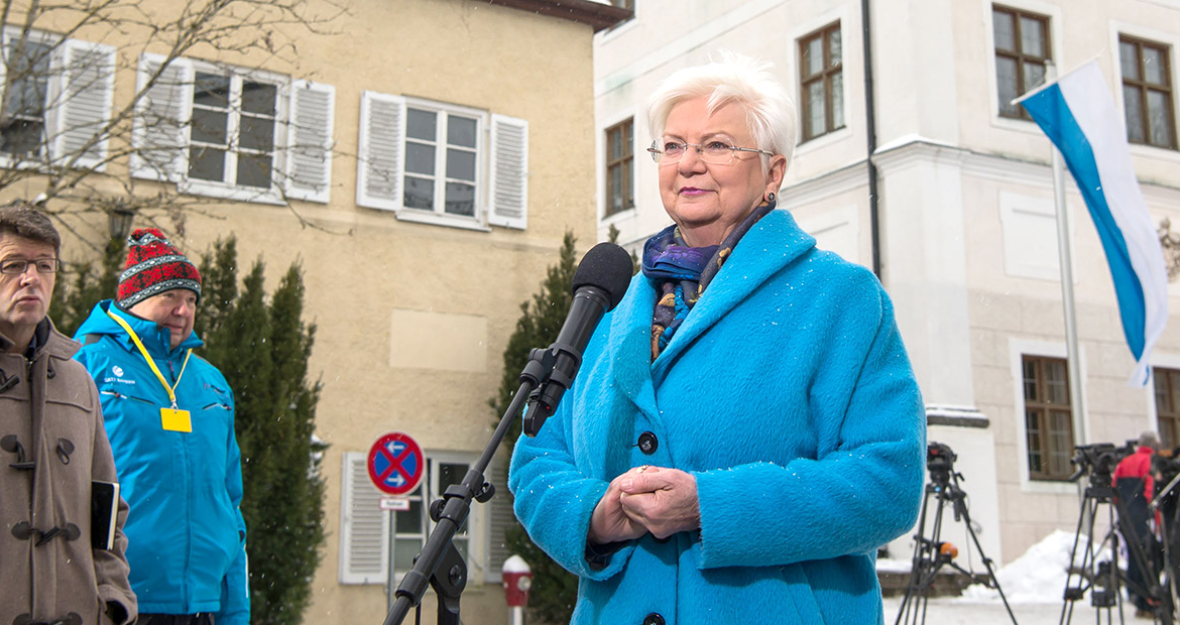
x=931 y=554
x=1104 y=579
x=1165 y=502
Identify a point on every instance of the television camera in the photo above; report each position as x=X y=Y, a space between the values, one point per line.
x=1098 y=461
x=940 y=462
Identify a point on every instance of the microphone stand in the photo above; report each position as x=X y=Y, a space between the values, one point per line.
x=440 y=564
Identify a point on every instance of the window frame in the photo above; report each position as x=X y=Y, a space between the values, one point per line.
x=1169 y=411
x=826 y=74
x=355 y=481
x=54 y=87
x=234 y=191
x=1019 y=56
x=1056 y=19
x=502 y=164
x=1043 y=408
x=624 y=166
x=1143 y=87
x=429 y=490
x=438 y=214
x=79 y=90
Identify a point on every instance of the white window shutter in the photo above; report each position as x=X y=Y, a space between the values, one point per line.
x=500 y=518
x=364 y=526
x=79 y=121
x=509 y=189
x=159 y=136
x=381 y=151
x=309 y=160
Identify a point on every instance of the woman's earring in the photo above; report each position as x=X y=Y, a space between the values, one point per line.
x=769 y=197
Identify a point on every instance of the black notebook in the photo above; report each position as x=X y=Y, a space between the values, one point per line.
x=104 y=514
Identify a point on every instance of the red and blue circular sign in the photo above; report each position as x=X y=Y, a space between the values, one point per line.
x=396 y=464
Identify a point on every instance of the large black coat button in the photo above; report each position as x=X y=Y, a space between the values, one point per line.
x=648 y=444
x=653 y=619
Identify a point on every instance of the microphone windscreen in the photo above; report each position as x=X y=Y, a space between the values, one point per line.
x=608 y=267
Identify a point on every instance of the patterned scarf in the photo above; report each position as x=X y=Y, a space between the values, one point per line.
x=681 y=274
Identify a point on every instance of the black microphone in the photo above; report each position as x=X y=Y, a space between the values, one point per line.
x=599 y=284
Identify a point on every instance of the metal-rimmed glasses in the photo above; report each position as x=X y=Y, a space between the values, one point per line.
x=21 y=265
x=714 y=152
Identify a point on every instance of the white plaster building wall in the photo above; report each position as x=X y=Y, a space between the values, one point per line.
x=1012 y=263
x=667 y=35
x=1081 y=31
x=914 y=70
x=968 y=241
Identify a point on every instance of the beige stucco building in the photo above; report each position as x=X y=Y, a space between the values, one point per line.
x=421 y=159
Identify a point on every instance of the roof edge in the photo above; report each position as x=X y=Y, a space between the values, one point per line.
x=599 y=16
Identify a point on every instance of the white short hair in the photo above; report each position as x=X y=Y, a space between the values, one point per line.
x=736 y=79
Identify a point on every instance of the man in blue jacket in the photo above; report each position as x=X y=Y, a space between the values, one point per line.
x=170 y=418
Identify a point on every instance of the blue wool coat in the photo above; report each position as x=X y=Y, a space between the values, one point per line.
x=787 y=393
x=185 y=531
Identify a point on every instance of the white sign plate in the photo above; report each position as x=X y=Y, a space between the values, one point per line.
x=399 y=504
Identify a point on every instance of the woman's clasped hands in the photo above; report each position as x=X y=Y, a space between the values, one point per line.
x=646 y=499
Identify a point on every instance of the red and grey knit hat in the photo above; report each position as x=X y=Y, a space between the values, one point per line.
x=154 y=266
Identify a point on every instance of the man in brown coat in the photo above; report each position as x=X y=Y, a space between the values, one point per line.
x=53 y=448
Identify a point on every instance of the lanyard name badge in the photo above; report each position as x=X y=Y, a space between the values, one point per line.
x=172 y=419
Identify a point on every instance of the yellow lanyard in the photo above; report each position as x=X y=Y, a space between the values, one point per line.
x=151 y=363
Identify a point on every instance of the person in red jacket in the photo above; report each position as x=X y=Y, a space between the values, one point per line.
x=1134 y=484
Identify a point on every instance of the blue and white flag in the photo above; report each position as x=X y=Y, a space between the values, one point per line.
x=1078 y=114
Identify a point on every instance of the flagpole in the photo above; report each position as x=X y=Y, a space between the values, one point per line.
x=1065 y=253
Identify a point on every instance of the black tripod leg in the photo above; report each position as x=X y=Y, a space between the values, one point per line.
x=1067 y=596
x=1115 y=576
x=1168 y=601
x=915 y=565
x=987 y=562
x=923 y=567
x=934 y=562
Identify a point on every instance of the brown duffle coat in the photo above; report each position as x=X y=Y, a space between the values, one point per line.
x=52 y=446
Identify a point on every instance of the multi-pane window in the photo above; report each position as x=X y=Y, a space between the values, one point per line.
x=619 y=163
x=441 y=163
x=1022 y=52
x=1147 y=92
x=23 y=131
x=821 y=74
x=233 y=130
x=1048 y=421
x=1167 y=406
x=233 y=133
x=411 y=527
x=366 y=529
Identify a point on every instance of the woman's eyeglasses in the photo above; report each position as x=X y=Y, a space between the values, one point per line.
x=713 y=152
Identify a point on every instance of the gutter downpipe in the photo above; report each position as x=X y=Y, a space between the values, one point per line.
x=871 y=131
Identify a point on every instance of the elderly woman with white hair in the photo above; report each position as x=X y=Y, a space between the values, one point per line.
x=746 y=429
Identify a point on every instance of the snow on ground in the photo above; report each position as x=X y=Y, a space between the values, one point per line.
x=1038 y=576
x=959 y=611
x=1033 y=585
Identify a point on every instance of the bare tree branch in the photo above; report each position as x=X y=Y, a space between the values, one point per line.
x=52 y=143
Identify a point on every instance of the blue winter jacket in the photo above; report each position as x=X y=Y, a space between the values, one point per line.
x=186 y=535
x=787 y=393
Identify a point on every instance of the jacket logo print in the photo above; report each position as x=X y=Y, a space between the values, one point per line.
x=117 y=370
